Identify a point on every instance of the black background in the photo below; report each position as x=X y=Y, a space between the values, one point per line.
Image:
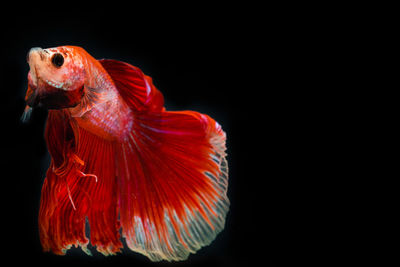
x=222 y=61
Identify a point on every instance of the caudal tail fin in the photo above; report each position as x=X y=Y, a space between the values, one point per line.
x=173 y=179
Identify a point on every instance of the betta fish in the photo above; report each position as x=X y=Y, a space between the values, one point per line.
x=121 y=163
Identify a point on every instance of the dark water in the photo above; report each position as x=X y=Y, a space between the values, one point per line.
x=205 y=59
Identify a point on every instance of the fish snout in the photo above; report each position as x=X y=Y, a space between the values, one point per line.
x=34 y=58
x=34 y=52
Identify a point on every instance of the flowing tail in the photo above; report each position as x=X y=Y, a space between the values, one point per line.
x=173 y=182
x=164 y=187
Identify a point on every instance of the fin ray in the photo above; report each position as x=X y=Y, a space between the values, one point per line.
x=69 y=181
x=178 y=208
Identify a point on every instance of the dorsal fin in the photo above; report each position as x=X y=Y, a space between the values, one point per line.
x=136 y=88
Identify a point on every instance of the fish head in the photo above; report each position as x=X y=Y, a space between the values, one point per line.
x=56 y=77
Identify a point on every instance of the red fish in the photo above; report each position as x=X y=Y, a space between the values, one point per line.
x=121 y=162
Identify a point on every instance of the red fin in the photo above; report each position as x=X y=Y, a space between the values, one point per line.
x=60 y=223
x=101 y=191
x=173 y=183
x=80 y=184
x=167 y=181
x=136 y=89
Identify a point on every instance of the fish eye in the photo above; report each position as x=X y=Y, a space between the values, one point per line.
x=57 y=60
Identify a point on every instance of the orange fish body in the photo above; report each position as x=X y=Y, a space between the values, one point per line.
x=122 y=163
